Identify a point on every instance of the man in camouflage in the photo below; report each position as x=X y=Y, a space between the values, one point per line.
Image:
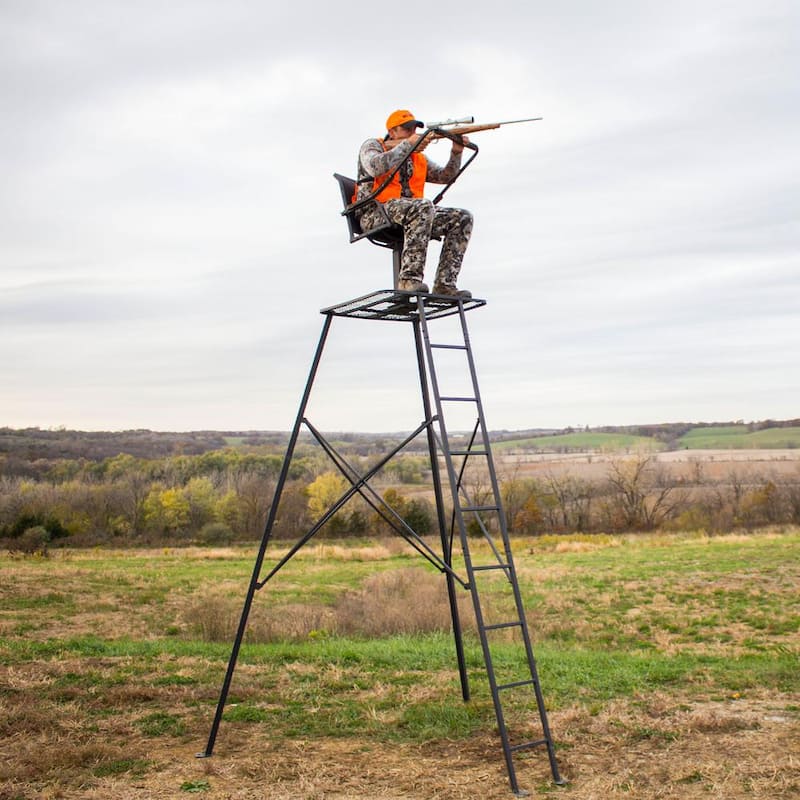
x=402 y=203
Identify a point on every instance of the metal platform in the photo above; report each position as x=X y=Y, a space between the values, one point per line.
x=397 y=306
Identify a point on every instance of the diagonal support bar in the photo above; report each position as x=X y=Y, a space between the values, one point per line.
x=329 y=513
x=398 y=524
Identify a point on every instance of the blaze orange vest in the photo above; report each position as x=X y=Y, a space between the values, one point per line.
x=416 y=182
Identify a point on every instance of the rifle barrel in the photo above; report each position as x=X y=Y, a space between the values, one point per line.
x=515 y=121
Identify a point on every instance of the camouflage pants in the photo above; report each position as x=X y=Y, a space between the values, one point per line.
x=421 y=222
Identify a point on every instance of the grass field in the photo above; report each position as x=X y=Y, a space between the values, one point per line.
x=729 y=437
x=669 y=663
x=736 y=437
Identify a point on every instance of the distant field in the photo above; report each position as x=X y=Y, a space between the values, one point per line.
x=602 y=442
x=738 y=437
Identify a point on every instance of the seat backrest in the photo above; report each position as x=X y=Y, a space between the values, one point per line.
x=347 y=186
x=388 y=235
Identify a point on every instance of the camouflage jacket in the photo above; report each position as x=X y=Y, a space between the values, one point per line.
x=374 y=161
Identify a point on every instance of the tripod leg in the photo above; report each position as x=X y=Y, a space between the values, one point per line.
x=226 y=684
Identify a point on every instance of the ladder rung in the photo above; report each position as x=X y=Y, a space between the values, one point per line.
x=515 y=685
x=496 y=627
x=449 y=346
x=490 y=566
x=527 y=745
x=460 y=399
x=480 y=508
x=468 y=453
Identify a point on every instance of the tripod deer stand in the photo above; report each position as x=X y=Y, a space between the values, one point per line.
x=490 y=566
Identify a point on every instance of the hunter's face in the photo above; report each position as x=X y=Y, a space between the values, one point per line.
x=403 y=131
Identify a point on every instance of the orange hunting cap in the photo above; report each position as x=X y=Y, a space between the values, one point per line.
x=400 y=118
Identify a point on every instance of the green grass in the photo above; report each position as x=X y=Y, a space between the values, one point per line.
x=344 y=688
x=601 y=442
x=195 y=786
x=134 y=766
x=737 y=437
x=728 y=437
x=160 y=723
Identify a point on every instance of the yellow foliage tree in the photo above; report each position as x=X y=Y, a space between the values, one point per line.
x=324 y=491
x=167 y=509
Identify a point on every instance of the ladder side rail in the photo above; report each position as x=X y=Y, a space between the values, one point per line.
x=463 y=492
x=253 y=585
x=482 y=423
x=464 y=462
x=501 y=517
x=534 y=673
x=485 y=531
x=476 y=602
x=512 y=572
x=540 y=704
x=443 y=440
x=491 y=468
x=446 y=539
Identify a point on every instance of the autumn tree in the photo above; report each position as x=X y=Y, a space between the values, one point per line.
x=640 y=496
x=323 y=492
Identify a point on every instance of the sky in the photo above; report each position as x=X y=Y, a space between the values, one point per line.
x=170 y=228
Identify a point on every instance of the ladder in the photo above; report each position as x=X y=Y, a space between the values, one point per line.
x=495 y=559
x=484 y=516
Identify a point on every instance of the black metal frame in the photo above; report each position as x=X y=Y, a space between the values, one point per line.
x=417 y=309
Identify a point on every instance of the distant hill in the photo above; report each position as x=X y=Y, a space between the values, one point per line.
x=34 y=443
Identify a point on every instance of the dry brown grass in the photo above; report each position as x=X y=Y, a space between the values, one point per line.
x=646 y=748
x=659 y=747
x=408 y=600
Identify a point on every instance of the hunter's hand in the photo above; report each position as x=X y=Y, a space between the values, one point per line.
x=415 y=137
x=458 y=147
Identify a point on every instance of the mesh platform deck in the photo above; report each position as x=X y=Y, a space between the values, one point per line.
x=396 y=306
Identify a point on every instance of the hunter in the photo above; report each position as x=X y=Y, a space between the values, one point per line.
x=402 y=202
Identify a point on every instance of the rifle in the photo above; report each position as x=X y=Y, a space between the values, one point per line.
x=460 y=127
x=453 y=128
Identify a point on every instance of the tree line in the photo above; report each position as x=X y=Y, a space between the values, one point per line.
x=223 y=495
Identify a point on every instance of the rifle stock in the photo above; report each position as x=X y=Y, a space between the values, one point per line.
x=462 y=130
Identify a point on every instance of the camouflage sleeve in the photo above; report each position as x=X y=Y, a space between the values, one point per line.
x=445 y=174
x=374 y=161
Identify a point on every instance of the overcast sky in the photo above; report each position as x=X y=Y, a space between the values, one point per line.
x=169 y=226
